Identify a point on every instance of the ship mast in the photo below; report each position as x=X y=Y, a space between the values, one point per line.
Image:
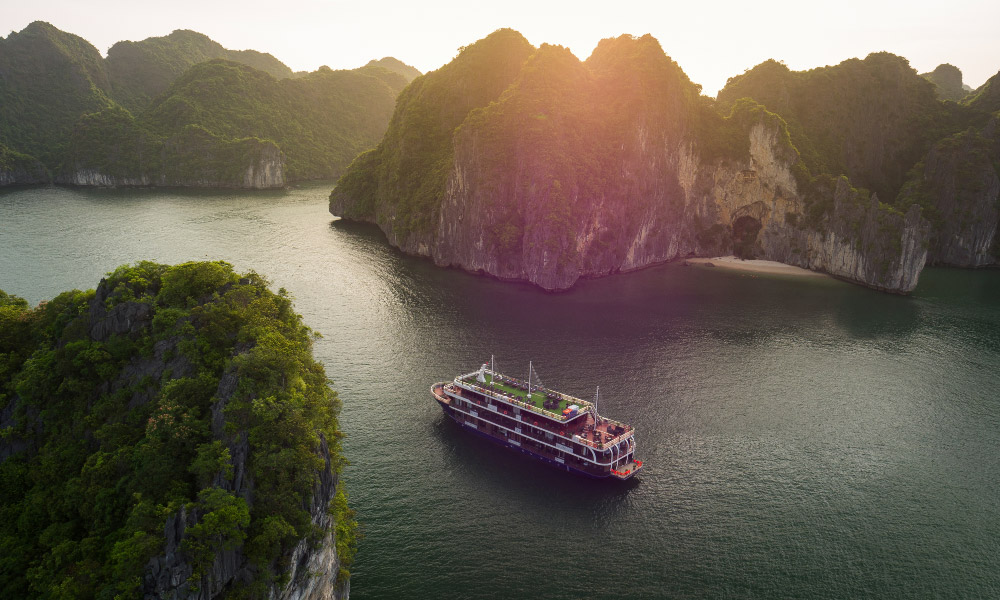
x=529 y=379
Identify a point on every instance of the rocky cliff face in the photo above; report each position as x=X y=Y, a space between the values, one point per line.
x=244 y=164
x=686 y=208
x=23 y=176
x=94 y=178
x=958 y=182
x=581 y=170
x=313 y=565
x=856 y=238
x=268 y=171
x=20 y=169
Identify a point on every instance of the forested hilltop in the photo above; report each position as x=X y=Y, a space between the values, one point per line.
x=182 y=110
x=529 y=164
x=168 y=435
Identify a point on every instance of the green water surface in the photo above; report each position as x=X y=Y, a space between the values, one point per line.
x=800 y=437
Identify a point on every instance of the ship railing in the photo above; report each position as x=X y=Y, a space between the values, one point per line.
x=491 y=393
x=523 y=384
x=591 y=443
x=583 y=404
x=596 y=460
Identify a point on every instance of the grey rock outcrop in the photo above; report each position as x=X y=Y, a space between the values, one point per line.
x=94 y=178
x=20 y=169
x=669 y=203
x=959 y=180
x=313 y=566
x=265 y=169
x=268 y=171
x=858 y=239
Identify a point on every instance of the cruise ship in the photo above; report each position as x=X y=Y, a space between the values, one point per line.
x=559 y=429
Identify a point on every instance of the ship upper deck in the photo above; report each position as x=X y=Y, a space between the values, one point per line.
x=541 y=400
x=546 y=408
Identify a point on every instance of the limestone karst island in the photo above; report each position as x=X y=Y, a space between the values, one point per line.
x=392 y=300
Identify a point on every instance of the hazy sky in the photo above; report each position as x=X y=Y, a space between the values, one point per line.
x=710 y=40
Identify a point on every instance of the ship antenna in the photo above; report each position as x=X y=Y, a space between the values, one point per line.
x=529 y=379
x=596 y=397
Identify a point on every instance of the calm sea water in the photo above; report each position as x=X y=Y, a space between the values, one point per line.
x=802 y=437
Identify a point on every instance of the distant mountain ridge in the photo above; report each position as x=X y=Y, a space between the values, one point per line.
x=144 y=115
x=947 y=79
x=396 y=66
x=140 y=71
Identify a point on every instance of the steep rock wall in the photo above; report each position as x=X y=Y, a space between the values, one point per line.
x=20 y=169
x=20 y=176
x=959 y=183
x=94 y=178
x=194 y=158
x=858 y=239
x=313 y=566
x=265 y=171
x=667 y=204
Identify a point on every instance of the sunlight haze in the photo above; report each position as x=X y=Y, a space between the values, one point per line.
x=710 y=41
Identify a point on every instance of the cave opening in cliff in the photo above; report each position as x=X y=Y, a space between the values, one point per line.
x=745 y=230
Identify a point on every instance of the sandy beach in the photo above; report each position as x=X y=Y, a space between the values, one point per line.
x=756 y=266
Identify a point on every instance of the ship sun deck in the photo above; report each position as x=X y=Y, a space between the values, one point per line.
x=583 y=427
x=548 y=401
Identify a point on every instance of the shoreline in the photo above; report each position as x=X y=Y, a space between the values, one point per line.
x=753 y=265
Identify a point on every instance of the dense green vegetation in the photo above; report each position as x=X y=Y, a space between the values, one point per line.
x=48 y=78
x=869 y=119
x=947 y=80
x=409 y=166
x=108 y=431
x=396 y=66
x=319 y=122
x=884 y=127
x=26 y=168
x=583 y=167
x=986 y=99
x=140 y=71
x=131 y=116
